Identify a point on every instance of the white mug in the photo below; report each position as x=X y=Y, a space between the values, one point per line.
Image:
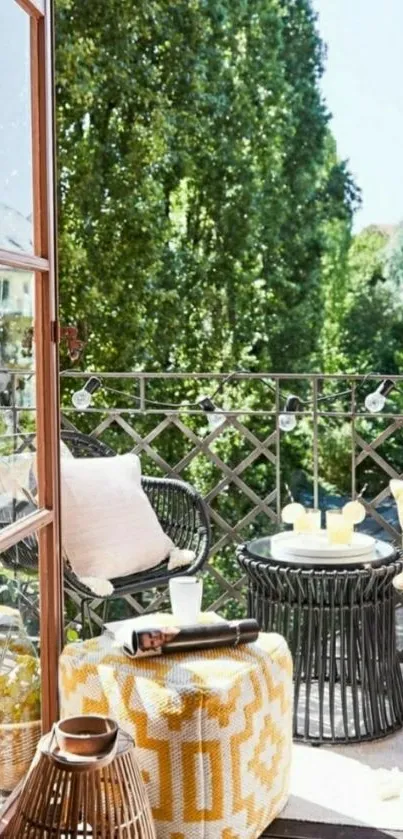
x=186 y=598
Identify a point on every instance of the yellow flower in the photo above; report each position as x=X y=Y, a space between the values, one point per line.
x=20 y=690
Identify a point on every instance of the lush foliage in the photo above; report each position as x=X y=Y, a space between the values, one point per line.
x=367 y=323
x=198 y=183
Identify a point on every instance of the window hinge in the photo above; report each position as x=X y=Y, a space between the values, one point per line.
x=54 y=332
x=70 y=335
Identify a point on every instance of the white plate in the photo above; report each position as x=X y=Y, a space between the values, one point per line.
x=317 y=546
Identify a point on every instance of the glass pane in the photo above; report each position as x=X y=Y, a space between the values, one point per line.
x=19 y=664
x=16 y=202
x=17 y=396
x=19 y=668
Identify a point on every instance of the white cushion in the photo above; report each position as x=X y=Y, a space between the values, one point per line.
x=396 y=488
x=15 y=470
x=64 y=450
x=109 y=528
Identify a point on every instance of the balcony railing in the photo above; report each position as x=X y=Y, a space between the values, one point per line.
x=241 y=460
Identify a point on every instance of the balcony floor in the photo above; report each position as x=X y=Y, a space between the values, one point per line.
x=287 y=829
x=333 y=793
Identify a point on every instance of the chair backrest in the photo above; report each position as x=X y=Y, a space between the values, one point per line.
x=83 y=445
x=25 y=553
x=179 y=508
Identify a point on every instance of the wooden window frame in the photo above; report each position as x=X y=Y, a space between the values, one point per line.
x=35 y=8
x=46 y=521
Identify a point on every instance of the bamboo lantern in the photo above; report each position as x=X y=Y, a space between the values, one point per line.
x=67 y=795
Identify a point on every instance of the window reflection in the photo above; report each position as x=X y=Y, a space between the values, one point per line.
x=17 y=290
x=16 y=201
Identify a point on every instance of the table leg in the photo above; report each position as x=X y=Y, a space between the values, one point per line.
x=348 y=684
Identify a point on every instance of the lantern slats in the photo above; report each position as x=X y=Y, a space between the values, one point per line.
x=68 y=801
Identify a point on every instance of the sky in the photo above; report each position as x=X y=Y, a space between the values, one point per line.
x=363 y=87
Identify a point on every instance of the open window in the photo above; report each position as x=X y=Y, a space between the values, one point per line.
x=29 y=413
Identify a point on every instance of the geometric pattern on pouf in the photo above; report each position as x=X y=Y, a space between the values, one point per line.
x=213 y=729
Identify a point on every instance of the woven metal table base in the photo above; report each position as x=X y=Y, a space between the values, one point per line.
x=340 y=627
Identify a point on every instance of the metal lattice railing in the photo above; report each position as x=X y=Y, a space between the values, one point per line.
x=243 y=465
x=222 y=462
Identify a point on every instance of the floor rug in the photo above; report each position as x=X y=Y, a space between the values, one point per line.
x=339 y=784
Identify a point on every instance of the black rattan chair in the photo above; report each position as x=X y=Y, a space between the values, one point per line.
x=179 y=508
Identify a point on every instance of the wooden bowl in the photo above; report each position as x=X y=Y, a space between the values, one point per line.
x=86 y=735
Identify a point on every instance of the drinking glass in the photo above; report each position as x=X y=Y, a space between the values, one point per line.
x=314 y=519
x=301 y=523
x=186 y=597
x=339 y=530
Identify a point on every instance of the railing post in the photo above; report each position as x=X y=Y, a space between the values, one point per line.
x=278 y=453
x=315 y=444
x=142 y=394
x=14 y=412
x=352 y=424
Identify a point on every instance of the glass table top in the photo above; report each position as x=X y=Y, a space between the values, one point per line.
x=265 y=549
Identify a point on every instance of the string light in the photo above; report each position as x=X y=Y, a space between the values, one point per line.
x=82 y=399
x=215 y=416
x=287 y=419
x=375 y=401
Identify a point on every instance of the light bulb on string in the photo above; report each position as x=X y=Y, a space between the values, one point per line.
x=82 y=399
x=287 y=420
x=215 y=417
x=375 y=401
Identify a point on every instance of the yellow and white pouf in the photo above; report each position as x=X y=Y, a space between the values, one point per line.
x=213 y=729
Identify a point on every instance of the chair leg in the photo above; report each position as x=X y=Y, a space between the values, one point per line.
x=83 y=602
x=86 y=618
x=89 y=619
x=105 y=611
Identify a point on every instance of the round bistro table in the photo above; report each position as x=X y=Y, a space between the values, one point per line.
x=338 y=618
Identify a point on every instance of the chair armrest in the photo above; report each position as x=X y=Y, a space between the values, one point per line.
x=183 y=516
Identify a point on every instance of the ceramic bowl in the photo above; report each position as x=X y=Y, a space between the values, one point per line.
x=86 y=735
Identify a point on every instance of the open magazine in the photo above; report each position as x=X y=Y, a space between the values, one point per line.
x=141 y=639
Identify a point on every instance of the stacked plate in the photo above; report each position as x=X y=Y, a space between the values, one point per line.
x=316 y=546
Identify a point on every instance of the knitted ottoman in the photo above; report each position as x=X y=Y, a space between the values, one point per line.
x=212 y=729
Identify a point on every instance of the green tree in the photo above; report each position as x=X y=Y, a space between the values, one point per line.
x=196 y=183
x=365 y=329
x=334 y=271
x=393 y=260
x=371 y=329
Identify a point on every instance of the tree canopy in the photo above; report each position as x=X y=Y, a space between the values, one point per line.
x=366 y=301
x=200 y=189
